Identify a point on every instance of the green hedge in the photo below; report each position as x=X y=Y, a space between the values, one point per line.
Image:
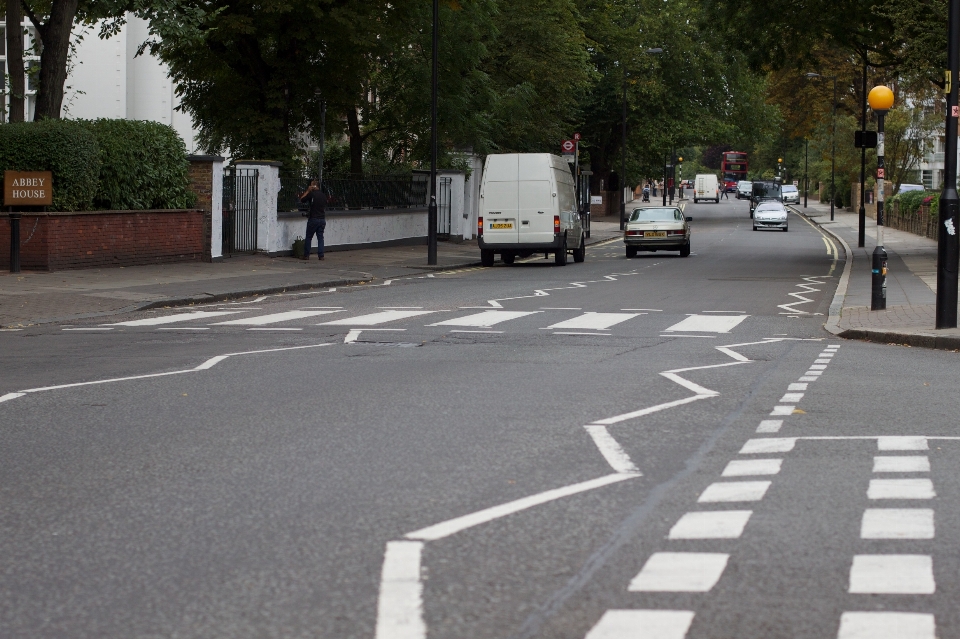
x=143 y=165
x=102 y=164
x=910 y=201
x=68 y=149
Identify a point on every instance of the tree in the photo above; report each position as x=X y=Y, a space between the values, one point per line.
x=15 y=61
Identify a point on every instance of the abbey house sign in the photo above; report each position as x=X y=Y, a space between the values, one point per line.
x=27 y=188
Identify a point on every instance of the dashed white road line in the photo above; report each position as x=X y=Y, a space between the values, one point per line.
x=887 y=625
x=680 y=572
x=901 y=464
x=897 y=523
x=723 y=524
x=919 y=488
x=642 y=624
x=178 y=317
x=892 y=575
x=750 y=467
x=734 y=491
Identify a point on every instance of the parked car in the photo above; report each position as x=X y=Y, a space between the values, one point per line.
x=770 y=215
x=657 y=228
x=528 y=205
x=707 y=188
x=762 y=191
x=744 y=189
x=789 y=194
x=910 y=187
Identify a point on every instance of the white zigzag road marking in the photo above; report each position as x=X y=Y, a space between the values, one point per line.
x=802 y=299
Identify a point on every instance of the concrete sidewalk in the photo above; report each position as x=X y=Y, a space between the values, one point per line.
x=40 y=297
x=910 y=315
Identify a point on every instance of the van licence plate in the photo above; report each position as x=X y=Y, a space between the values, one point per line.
x=501 y=225
x=655 y=234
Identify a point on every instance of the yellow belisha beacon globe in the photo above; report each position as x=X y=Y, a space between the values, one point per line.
x=880 y=98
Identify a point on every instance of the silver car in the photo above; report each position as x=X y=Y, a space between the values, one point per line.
x=770 y=215
x=657 y=228
x=789 y=194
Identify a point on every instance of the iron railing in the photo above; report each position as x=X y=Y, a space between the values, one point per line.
x=357 y=193
x=239 y=211
x=922 y=222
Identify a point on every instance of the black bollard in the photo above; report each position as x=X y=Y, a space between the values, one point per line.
x=14 y=242
x=878 y=297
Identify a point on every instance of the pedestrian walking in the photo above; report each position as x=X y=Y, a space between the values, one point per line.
x=723 y=192
x=317 y=218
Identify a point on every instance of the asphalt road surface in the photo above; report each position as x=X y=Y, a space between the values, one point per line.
x=647 y=448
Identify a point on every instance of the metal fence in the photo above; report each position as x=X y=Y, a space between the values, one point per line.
x=444 y=215
x=356 y=193
x=239 y=210
x=923 y=222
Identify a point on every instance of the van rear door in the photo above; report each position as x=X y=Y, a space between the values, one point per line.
x=500 y=200
x=537 y=203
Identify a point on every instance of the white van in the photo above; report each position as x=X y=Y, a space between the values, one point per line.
x=528 y=205
x=706 y=187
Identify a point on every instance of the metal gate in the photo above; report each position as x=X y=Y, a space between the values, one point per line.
x=444 y=218
x=239 y=210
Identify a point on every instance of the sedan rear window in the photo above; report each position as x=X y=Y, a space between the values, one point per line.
x=656 y=215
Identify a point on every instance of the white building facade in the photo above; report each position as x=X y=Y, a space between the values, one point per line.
x=106 y=79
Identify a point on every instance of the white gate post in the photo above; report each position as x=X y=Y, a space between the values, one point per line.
x=268 y=186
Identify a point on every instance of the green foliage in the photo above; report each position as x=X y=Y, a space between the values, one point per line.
x=143 y=165
x=66 y=148
x=910 y=201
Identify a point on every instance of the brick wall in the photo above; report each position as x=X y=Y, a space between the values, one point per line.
x=201 y=183
x=56 y=241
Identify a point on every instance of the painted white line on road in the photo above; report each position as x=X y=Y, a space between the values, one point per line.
x=275 y=328
x=400 y=605
x=184 y=328
x=179 y=317
x=596 y=321
x=210 y=363
x=652 y=409
x=611 y=449
x=273 y=318
x=791 y=397
x=892 y=575
x=797 y=387
x=680 y=572
x=642 y=624
x=723 y=311
x=485 y=319
x=770 y=426
x=808 y=379
x=723 y=524
x=372 y=319
x=484 y=332
x=572 y=333
x=782 y=410
x=897 y=523
x=887 y=625
x=821 y=361
x=681 y=335
x=651 y=310
x=902 y=464
x=453 y=526
x=768 y=445
x=354 y=334
x=561 y=308
x=9 y=396
x=734 y=491
x=708 y=323
x=88 y=329
x=902 y=443
x=747 y=467
x=813 y=373
x=901 y=489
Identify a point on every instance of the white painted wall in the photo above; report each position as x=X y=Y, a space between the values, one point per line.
x=216 y=213
x=355 y=228
x=108 y=81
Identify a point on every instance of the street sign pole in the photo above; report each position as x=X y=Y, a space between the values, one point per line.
x=948 y=244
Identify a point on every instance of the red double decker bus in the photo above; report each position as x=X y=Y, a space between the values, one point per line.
x=733 y=168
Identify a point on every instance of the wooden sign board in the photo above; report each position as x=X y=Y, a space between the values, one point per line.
x=27 y=188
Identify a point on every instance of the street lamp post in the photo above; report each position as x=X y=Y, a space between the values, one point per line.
x=432 y=208
x=780 y=169
x=833 y=151
x=881 y=99
x=806 y=160
x=666 y=162
x=679 y=180
x=862 y=231
x=948 y=244
x=623 y=156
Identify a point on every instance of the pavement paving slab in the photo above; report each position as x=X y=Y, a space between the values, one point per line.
x=30 y=298
x=910 y=316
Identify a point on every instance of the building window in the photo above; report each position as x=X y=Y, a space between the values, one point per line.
x=927 y=179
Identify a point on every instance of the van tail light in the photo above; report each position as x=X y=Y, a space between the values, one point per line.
x=479 y=226
x=556 y=223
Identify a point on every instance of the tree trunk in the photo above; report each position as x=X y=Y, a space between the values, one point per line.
x=55 y=37
x=15 y=61
x=356 y=141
